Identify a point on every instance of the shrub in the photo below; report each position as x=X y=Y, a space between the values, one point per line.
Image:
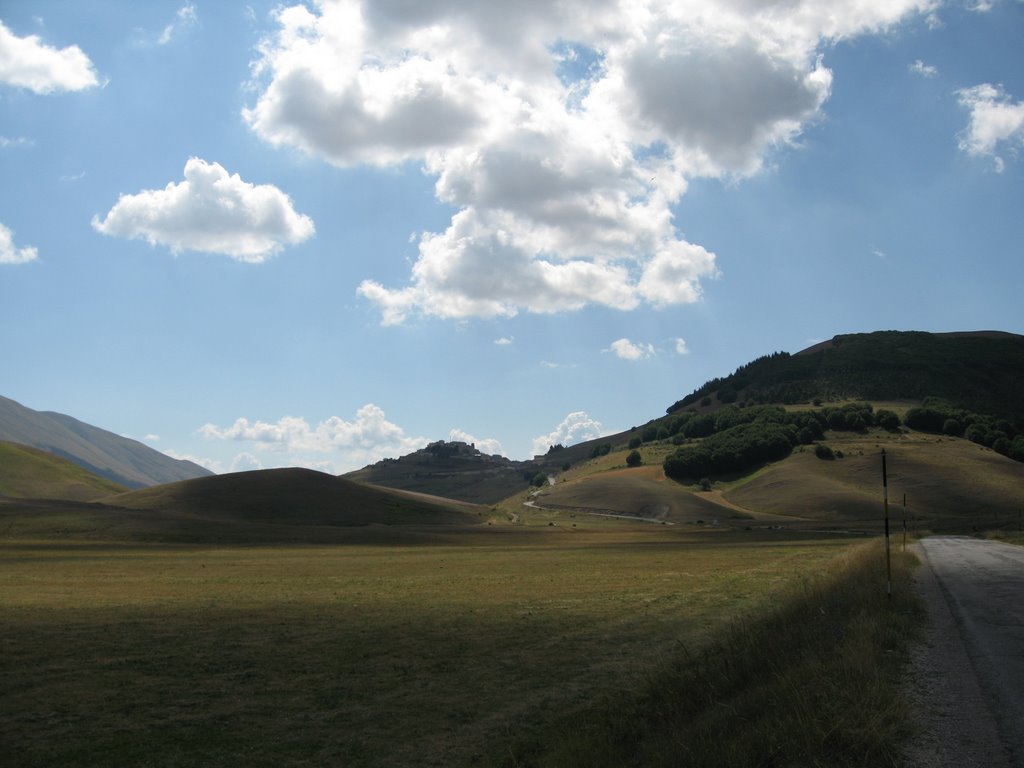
x=636 y=442
x=926 y=419
x=975 y=433
x=539 y=480
x=952 y=427
x=634 y=459
x=822 y=451
x=887 y=420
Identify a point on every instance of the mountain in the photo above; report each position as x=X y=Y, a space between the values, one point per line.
x=29 y=473
x=454 y=470
x=949 y=409
x=124 y=461
x=980 y=371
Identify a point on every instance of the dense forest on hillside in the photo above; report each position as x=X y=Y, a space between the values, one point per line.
x=978 y=373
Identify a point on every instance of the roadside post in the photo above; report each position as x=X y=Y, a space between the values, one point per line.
x=904 y=522
x=885 y=503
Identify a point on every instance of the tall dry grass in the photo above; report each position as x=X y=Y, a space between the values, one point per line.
x=813 y=683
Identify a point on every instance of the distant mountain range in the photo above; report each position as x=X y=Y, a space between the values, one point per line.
x=109 y=456
x=947 y=408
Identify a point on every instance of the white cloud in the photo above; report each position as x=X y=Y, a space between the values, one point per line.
x=681 y=348
x=489 y=445
x=152 y=438
x=368 y=438
x=185 y=17
x=211 y=464
x=996 y=122
x=577 y=427
x=21 y=141
x=925 y=70
x=12 y=254
x=504 y=341
x=246 y=462
x=27 y=62
x=561 y=133
x=625 y=349
x=210 y=211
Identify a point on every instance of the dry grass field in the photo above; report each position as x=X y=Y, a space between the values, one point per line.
x=450 y=652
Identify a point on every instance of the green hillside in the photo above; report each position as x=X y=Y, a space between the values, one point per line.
x=116 y=458
x=28 y=473
x=979 y=372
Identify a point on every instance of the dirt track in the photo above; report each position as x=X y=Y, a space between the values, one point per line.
x=967 y=680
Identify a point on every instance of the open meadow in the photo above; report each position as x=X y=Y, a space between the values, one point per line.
x=451 y=647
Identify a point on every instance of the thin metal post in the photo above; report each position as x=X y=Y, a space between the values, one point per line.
x=885 y=502
x=904 y=522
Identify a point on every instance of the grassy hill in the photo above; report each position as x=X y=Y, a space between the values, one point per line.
x=951 y=484
x=289 y=497
x=28 y=473
x=124 y=461
x=265 y=506
x=643 y=493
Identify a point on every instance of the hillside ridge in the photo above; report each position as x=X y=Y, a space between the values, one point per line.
x=100 y=452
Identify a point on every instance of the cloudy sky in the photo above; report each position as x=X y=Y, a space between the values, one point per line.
x=265 y=235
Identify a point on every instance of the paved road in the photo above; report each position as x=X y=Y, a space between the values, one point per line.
x=974 y=674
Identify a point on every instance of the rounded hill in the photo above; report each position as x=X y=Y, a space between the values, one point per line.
x=295 y=497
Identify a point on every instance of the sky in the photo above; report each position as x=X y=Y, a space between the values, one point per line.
x=323 y=234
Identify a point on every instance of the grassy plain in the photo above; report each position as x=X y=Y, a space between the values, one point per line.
x=457 y=651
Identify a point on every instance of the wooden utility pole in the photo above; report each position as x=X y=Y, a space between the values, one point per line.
x=885 y=503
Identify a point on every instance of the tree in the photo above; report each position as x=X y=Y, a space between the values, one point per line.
x=952 y=427
x=539 y=480
x=887 y=420
x=634 y=459
x=636 y=442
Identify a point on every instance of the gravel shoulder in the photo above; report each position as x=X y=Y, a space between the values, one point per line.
x=966 y=679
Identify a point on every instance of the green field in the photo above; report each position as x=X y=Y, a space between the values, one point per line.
x=454 y=652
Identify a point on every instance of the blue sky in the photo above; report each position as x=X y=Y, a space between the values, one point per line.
x=266 y=235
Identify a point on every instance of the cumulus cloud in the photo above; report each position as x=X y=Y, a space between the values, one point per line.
x=488 y=445
x=369 y=437
x=504 y=341
x=12 y=254
x=210 y=211
x=577 y=427
x=28 y=62
x=997 y=122
x=561 y=133
x=681 y=348
x=246 y=462
x=625 y=349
